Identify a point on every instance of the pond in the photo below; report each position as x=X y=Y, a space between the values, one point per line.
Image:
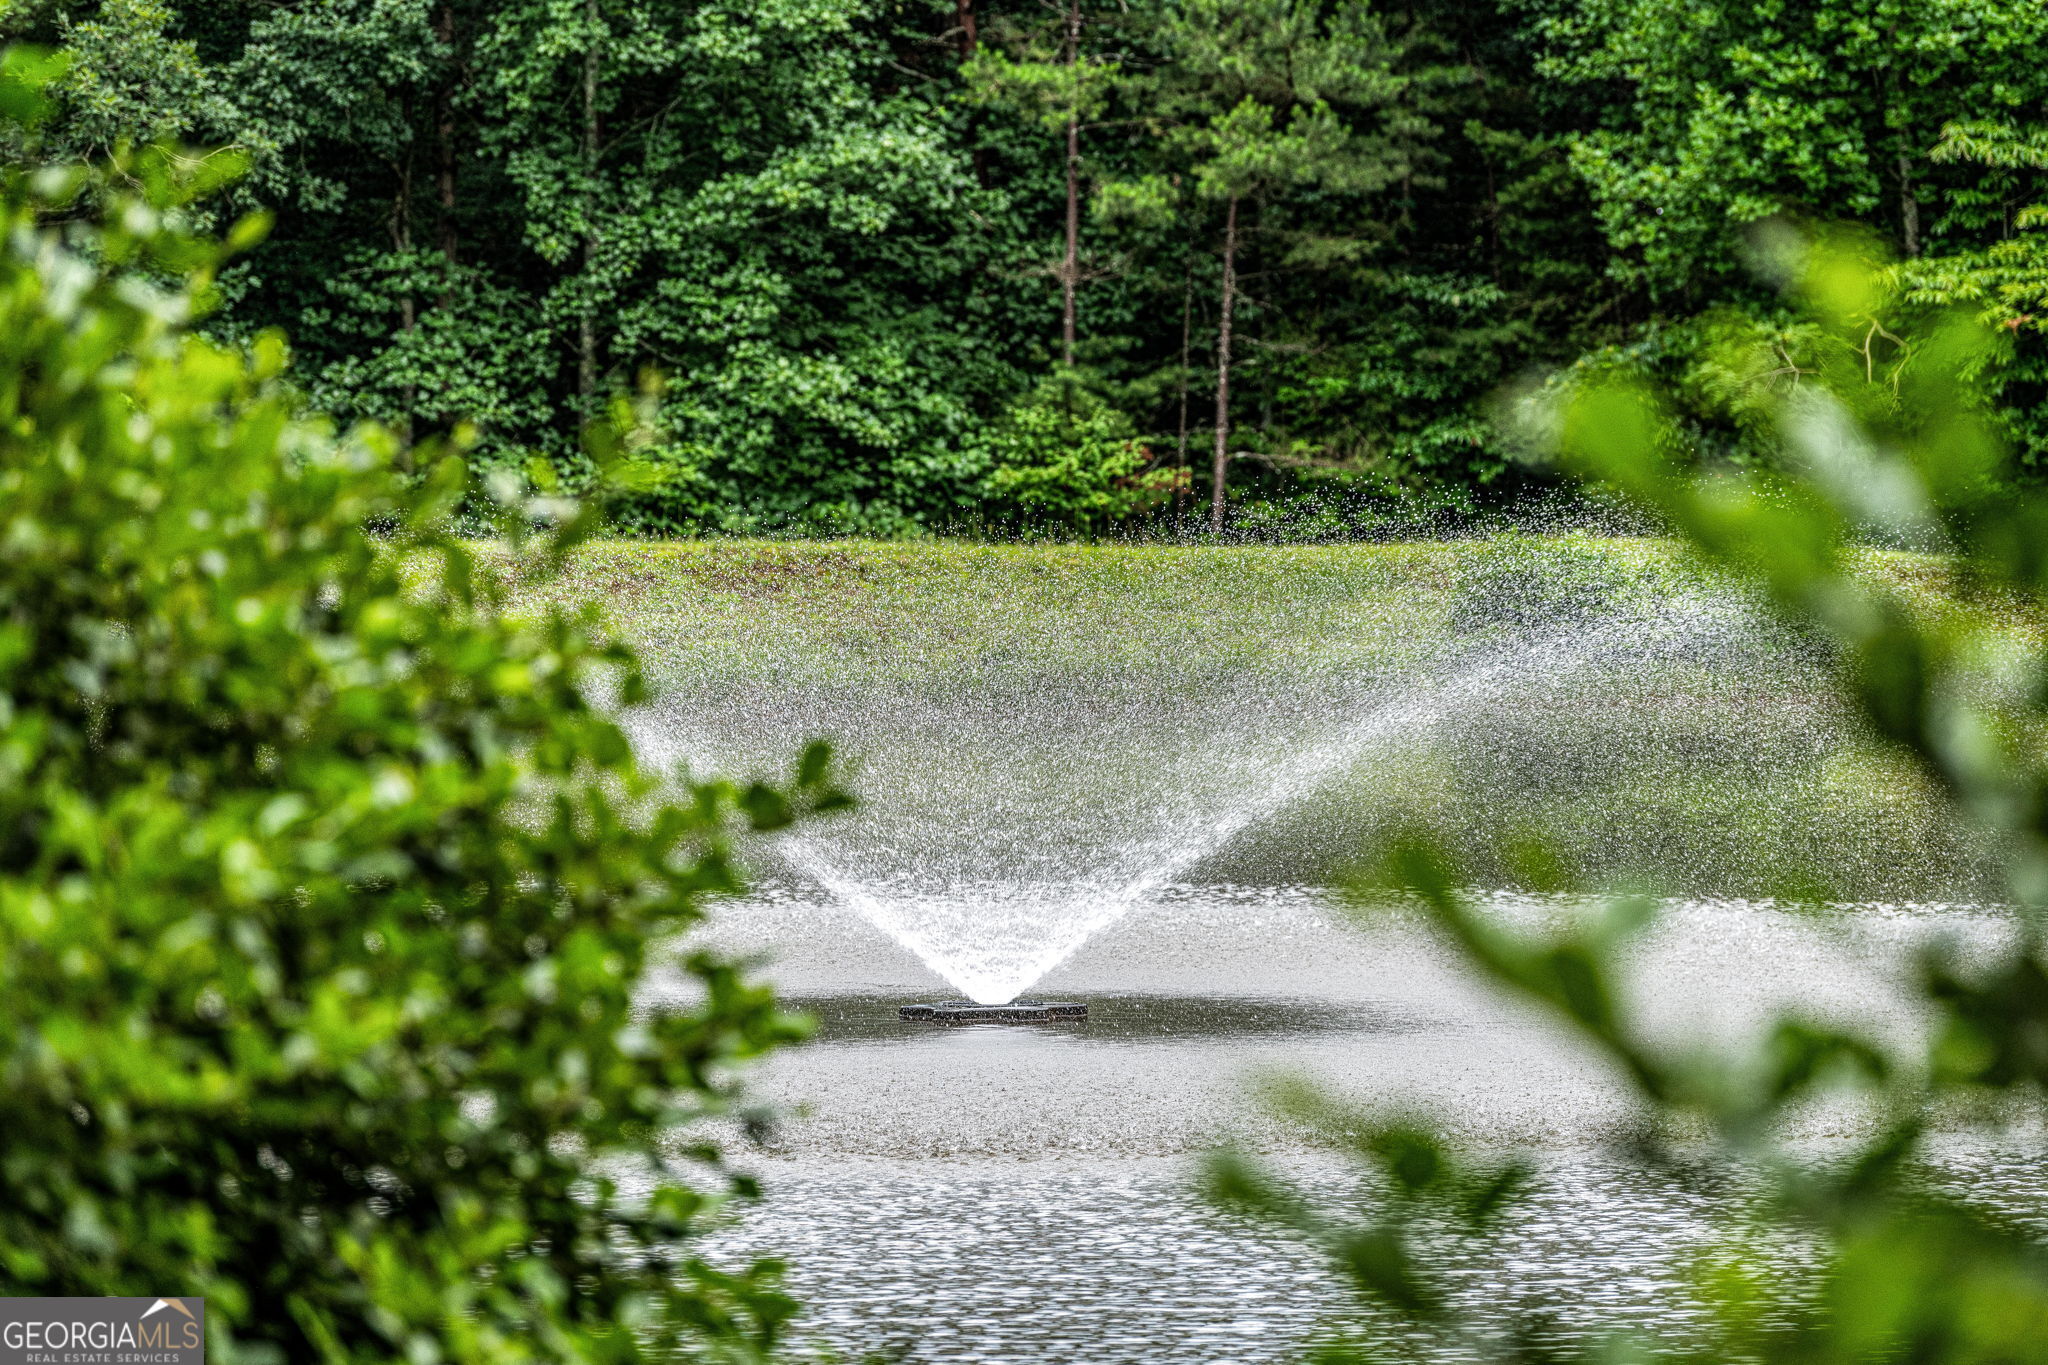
x=1116 y=799
x=997 y=1193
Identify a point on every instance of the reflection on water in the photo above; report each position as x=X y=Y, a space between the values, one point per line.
x=1031 y=1263
x=1112 y=1019
x=1123 y=1265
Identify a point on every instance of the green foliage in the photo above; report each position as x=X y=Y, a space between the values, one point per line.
x=1069 y=460
x=1898 y=1271
x=1255 y=90
x=124 y=79
x=822 y=220
x=1402 y=401
x=327 y=883
x=757 y=219
x=1727 y=373
x=1908 y=118
x=2006 y=278
x=1753 y=109
x=837 y=226
x=1032 y=78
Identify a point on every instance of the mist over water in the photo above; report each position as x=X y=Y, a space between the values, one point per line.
x=1007 y=821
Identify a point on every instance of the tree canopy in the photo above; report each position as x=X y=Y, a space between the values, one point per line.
x=856 y=238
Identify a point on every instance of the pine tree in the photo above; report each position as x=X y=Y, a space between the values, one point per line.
x=1268 y=97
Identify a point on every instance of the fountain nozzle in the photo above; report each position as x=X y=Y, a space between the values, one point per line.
x=1016 y=1012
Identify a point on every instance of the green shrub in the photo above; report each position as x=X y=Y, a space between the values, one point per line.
x=326 y=885
x=1064 y=457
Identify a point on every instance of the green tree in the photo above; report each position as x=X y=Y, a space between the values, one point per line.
x=2006 y=278
x=1825 y=111
x=741 y=209
x=497 y=214
x=1052 y=84
x=325 y=885
x=1070 y=461
x=1713 y=121
x=348 y=113
x=807 y=214
x=1272 y=96
x=128 y=80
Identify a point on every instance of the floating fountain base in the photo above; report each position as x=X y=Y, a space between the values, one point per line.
x=1016 y=1012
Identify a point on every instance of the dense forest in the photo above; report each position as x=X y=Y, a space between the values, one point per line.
x=883 y=265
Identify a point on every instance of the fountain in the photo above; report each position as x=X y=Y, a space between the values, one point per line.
x=991 y=886
x=1046 y=822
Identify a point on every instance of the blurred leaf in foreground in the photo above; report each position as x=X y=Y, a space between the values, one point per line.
x=325 y=884
x=1889 y=442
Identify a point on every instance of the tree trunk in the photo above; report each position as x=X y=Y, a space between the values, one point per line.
x=1070 y=268
x=1909 y=209
x=408 y=310
x=1187 y=322
x=586 y=328
x=444 y=121
x=1221 y=469
x=968 y=31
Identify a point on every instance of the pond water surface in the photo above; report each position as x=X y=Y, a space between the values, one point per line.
x=1013 y=1193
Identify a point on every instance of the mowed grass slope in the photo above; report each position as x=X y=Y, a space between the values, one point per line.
x=849 y=609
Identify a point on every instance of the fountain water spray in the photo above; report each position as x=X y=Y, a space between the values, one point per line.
x=993 y=936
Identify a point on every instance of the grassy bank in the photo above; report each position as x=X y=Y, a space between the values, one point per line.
x=864 y=608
